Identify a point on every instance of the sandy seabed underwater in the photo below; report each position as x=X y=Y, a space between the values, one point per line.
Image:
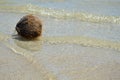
x=80 y=40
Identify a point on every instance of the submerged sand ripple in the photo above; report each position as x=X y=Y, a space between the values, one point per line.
x=57 y=58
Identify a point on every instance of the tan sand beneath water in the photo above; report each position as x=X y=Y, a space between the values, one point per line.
x=58 y=62
x=59 y=55
x=17 y=67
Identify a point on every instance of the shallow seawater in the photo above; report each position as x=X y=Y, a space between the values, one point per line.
x=80 y=40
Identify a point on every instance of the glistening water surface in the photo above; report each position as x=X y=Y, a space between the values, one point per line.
x=80 y=40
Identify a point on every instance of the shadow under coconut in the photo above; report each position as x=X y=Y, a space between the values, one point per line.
x=30 y=45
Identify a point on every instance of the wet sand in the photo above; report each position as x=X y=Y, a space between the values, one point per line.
x=59 y=61
x=59 y=54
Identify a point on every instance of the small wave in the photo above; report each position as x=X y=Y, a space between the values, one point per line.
x=62 y=14
x=85 y=41
x=79 y=40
